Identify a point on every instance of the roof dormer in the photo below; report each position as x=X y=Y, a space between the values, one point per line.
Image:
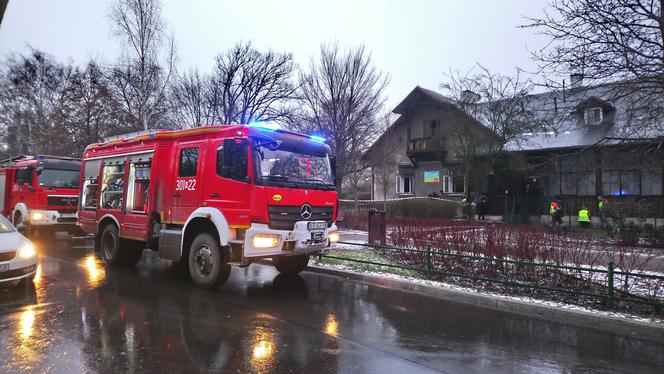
x=594 y=111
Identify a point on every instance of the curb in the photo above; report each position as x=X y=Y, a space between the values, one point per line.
x=578 y=318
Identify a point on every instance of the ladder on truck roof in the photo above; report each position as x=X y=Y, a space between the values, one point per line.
x=130 y=135
x=11 y=160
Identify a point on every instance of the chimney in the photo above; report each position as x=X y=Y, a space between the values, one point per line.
x=575 y=80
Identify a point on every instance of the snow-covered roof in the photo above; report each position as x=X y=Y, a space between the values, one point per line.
x=563 y=112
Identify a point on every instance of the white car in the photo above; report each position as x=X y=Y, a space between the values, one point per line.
x=18 y=257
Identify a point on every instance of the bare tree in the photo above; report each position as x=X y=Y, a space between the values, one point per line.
x=383 y=158
x=343 y=95
x=88 y=112
x=31 y=93
x=191 y=97
x=610 y=41
x=501 y=104
x=142 y=76
x=249 y=85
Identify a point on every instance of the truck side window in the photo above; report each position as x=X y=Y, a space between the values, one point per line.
x=112 y=185
x=233 y=159
x=138 y=189
x=24 y=175
x=188 y=162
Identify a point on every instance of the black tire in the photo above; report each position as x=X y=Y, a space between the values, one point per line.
x=109 y=244
x=208 y=267
x=131 y=251
x=18 y=218
x=291 y=265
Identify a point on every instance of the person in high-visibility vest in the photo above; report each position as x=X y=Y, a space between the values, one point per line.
x=584 y=217
x=603 y=207
x=556 y=213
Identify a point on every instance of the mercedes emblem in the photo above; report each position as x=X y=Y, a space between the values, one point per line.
x=305 y=211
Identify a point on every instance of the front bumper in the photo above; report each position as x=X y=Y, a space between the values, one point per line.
x=293 y=242
x=52 y=217
x=19 y=268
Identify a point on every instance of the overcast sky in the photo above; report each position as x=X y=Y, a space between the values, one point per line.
x=414 y=41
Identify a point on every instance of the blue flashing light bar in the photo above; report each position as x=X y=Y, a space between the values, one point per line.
x=264 y=127
x=317 y=138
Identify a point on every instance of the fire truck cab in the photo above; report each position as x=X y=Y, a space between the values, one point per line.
x=210 y=197
x=40 y=192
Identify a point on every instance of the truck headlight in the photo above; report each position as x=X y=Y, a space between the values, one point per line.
x=27 y=251
x=266 y=240
x=333 y=236
x=37 y=216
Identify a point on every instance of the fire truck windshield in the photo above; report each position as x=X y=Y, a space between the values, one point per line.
x=289 y=168
x=54 y=178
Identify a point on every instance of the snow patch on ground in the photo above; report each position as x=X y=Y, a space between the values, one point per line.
x=449 y=286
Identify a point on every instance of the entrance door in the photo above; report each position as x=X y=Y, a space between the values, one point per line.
x=186 y=194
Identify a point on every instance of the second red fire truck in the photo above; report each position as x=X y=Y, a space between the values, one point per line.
x=40 y=192
x=210 y=198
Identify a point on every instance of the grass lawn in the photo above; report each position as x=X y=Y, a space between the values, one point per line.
x=364 y=254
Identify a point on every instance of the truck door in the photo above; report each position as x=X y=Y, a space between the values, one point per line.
x=188 y=168
x=230 y=187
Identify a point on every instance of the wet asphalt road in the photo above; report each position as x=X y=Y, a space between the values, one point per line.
x=82 y=317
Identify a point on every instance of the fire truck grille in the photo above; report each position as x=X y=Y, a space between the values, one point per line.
x=283 y=217
x=6 y=256
x=67 y=201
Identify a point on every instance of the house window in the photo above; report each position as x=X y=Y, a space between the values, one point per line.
x=431 y=128
x=453 y=182
x=621 y=182
x=651 y=182
x=593 y=116
x=586 y=183
x=404 y=184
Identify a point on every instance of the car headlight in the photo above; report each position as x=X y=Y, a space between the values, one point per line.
x=333 y=236
x=266 y=240
x=37 y=216
x=27 y=251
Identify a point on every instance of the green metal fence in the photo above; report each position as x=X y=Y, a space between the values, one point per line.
x=430 y=256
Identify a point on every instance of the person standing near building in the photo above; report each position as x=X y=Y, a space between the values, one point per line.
x=584 y=218
x=603 y=207
x=482 y=203
x=556 y=213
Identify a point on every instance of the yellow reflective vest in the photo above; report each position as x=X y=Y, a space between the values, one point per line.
x=584 y=215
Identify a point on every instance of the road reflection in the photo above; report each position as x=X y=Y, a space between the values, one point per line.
x=263 y=349
x=94 y=270
x=26 y=322
x=331 y=325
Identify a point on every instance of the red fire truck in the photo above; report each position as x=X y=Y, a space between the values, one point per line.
x=40 y=192
x=210 y=197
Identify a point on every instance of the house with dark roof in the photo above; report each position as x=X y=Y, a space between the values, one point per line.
x=596 y=143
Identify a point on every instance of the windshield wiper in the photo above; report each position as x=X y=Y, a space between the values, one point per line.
x=317 y=181
x=281 y=178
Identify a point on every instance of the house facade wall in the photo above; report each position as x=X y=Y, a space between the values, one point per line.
x=441 y=174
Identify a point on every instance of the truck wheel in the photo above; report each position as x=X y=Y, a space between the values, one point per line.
x=109 y=243
x=291 y=265
x=207 y=266
x=132 y=251
x=18 y=219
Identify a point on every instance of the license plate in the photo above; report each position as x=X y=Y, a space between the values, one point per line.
x=317 y=236
x=316 y=225
x=4 y=267
x=67 y=215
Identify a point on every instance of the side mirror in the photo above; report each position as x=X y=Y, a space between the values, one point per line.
x=22 y=228
x=333 y=166
x=39 y=169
